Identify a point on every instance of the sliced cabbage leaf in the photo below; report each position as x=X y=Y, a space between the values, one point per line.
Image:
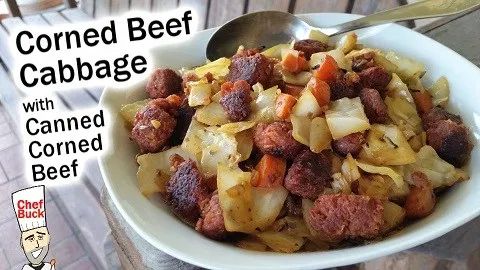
x=346 y=116
x=244 y=144
x=386 y=145
x=320 y=136
x=275 y=51
x=212 y=115
x=300 y=78
x=397 y=88
x=318 y=35
x=347 y=42
x=217 y=148
x=154 y=169
x=267 y=204
x=218 y=68
x=406 y=67
x=281 y=241
x=263 y=107
x=235 y=196
x=404 y=115
x=437 y=170
x=301 y=129
x=307 y=105
x=236 y=127
x=396 y=177
x=440 y=92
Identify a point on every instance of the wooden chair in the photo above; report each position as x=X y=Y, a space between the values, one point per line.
x=42 y=5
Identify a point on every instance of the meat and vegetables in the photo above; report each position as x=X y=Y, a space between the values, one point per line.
x=303 y=146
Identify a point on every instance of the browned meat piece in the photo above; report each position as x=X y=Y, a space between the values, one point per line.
x=276 y=139
x=448 y=136
x=236 y=100
x=436 y=114
x=340 y=216
x=293 y=205
x=363 y=61
x=184 y=117
x=247 y=52
x=375 y=108
x=421 y=199
x=344 y=85
x=211 y=222
x=163 y=82
x=253 y=69
x=309 y=174
x=154 y=125
x=375 y=77
x=310 y=46
x=451 y=142
x=349 y=144
x=186 y=191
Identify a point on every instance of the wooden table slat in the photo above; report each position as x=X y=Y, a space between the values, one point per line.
x=102 y=8
x=257 y=5
x=222 y=11
x=200 y=6
x=118 y=6
x=140 y=4
x=75 y=15
x=164 y=5
x=5 y=53
x=311 y=6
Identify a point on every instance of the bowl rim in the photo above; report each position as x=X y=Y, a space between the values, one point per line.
x=368 y=254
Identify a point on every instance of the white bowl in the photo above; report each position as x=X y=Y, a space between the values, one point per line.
x=156 y=224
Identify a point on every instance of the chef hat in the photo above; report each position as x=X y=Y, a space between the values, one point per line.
x=29 y=205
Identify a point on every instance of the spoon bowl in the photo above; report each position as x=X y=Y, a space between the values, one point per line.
x=264 y=28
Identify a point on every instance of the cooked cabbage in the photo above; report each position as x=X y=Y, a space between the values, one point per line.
x=212 y=115
x=154 y=169
x=397 y=88
x=275 y=51
x=406 y=67
x=347 y=42
x=236 y=127
x=386 y=145
x=320 y=136
x=193 y=138
x=318 y=35
x=374 y=186
x=440 y=92
x=244 y=144
x=217 y=148
x=252 y=243
x=349 y=169
x=300 y=78
x=128 y=111
x=307 y=105
x=404 y=115
x=267 y=204
x=437 y=170
x=346 y=116
x=263 y=107
x=235 y=196
x=200 y=93
x=218 y=68
x=301 y=129
x=397 y=178
x=292 y=225
x=341 y=184
x=281 y=242
x=393 y=214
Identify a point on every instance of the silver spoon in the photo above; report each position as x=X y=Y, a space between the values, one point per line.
x=268 y=28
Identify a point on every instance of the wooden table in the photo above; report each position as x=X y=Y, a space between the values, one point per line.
x=459 y=249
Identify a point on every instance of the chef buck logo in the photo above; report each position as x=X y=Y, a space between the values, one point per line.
x=29 y=205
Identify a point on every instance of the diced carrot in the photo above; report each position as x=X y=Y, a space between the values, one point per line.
x=270 y=172
x=320 y=90
x=326 y=70
x=423 y=100
x=294 y=63
x=284 y=105
x=292 y=89
x=226 y=87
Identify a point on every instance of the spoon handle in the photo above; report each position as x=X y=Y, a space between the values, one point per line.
x=419 y=10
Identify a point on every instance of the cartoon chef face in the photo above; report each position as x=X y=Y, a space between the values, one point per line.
x=29 y=205
x=35 y=243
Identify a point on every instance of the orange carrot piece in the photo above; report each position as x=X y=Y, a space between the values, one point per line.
x=320 y=90
x=284 y=105
x=294 y=63
x=326 y=70
x=423 y=100
x=270 y=172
